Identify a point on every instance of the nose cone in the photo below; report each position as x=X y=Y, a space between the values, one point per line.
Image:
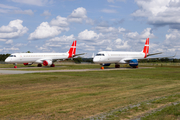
x=95 y=60
x=7 y=60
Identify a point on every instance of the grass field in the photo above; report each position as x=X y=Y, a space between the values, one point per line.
x=62 y=66
x=120 y=94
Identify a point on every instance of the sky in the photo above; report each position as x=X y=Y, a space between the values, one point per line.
x=49 y=26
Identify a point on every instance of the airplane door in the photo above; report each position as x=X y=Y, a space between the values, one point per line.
x=20 y=57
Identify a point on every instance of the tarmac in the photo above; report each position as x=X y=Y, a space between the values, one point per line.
x=5 y=71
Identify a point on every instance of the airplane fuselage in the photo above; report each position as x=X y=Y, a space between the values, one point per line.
x=35 y=57
x=117 y=57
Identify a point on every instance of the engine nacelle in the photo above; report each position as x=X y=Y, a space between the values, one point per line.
x=47 y=62
x=133 y=63
x=106 y=64
x=27 y=63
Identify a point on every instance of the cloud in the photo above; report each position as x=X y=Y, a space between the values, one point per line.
x=90 y=21
x=15 y=10
x=120 y=44
x=106 y=29
x=172 y=39
x=63 y=38
x=46 y=13
x=34 y=2
x=28 y=12
x=110 y=1
x=60 y=24
x=109 y=11
x=63 y=43
x=7 y=7
x=45 y=31
x=146 y=33
x=2 y=39
x=113 y=1
x=9 y=42
x=88 y=35
x=10 y=49
x=158 y=12
x=78 y=15
x=59 y=21
x=170 y=45
x=14 y=29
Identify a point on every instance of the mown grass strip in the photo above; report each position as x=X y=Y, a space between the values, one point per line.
x=77 y=95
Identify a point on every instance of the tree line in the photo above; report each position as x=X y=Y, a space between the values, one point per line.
x=160 y=60
x=3 y=56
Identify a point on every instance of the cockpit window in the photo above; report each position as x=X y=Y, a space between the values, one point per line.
x=12 y=56
x=99 y=54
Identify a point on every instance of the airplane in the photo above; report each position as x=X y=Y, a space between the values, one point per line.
x=47 y=59
x=106 y=58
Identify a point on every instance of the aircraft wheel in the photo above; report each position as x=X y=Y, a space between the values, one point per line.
x=39 y=65
x=102 y=67
x=117 y=66
x=135 y=66
x=15 y=66
x=52 y=65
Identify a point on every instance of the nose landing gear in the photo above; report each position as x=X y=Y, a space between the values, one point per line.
x=102 y=67
x=15 y=65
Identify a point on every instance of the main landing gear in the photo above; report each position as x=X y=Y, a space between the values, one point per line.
x=135 y=66
x=117 y=66
x=52 y=65
x=39 y=65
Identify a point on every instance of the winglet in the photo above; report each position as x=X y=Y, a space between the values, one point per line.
x=72 y=50
x=146 y=48
x=175 y=54
x=93 y=55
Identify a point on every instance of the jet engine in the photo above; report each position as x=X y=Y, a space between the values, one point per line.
x=106 y=64
x=47 y=62
x=27 y=63
x=133 y=63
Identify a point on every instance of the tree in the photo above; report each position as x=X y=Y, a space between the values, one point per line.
x=77 y=60
x=28 y=52
x=3 y=56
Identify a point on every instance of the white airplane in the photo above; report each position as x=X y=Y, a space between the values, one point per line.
x=105 y=58
x=47 y=59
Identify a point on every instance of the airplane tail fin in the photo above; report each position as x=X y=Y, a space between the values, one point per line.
x=146 y=48
x=72 y=50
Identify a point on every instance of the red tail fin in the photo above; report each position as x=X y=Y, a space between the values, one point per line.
x=72 y=50
x=146 y=48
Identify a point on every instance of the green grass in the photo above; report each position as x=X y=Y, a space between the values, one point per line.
x=168 y=113
x=77 y=95
x=58 y=67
